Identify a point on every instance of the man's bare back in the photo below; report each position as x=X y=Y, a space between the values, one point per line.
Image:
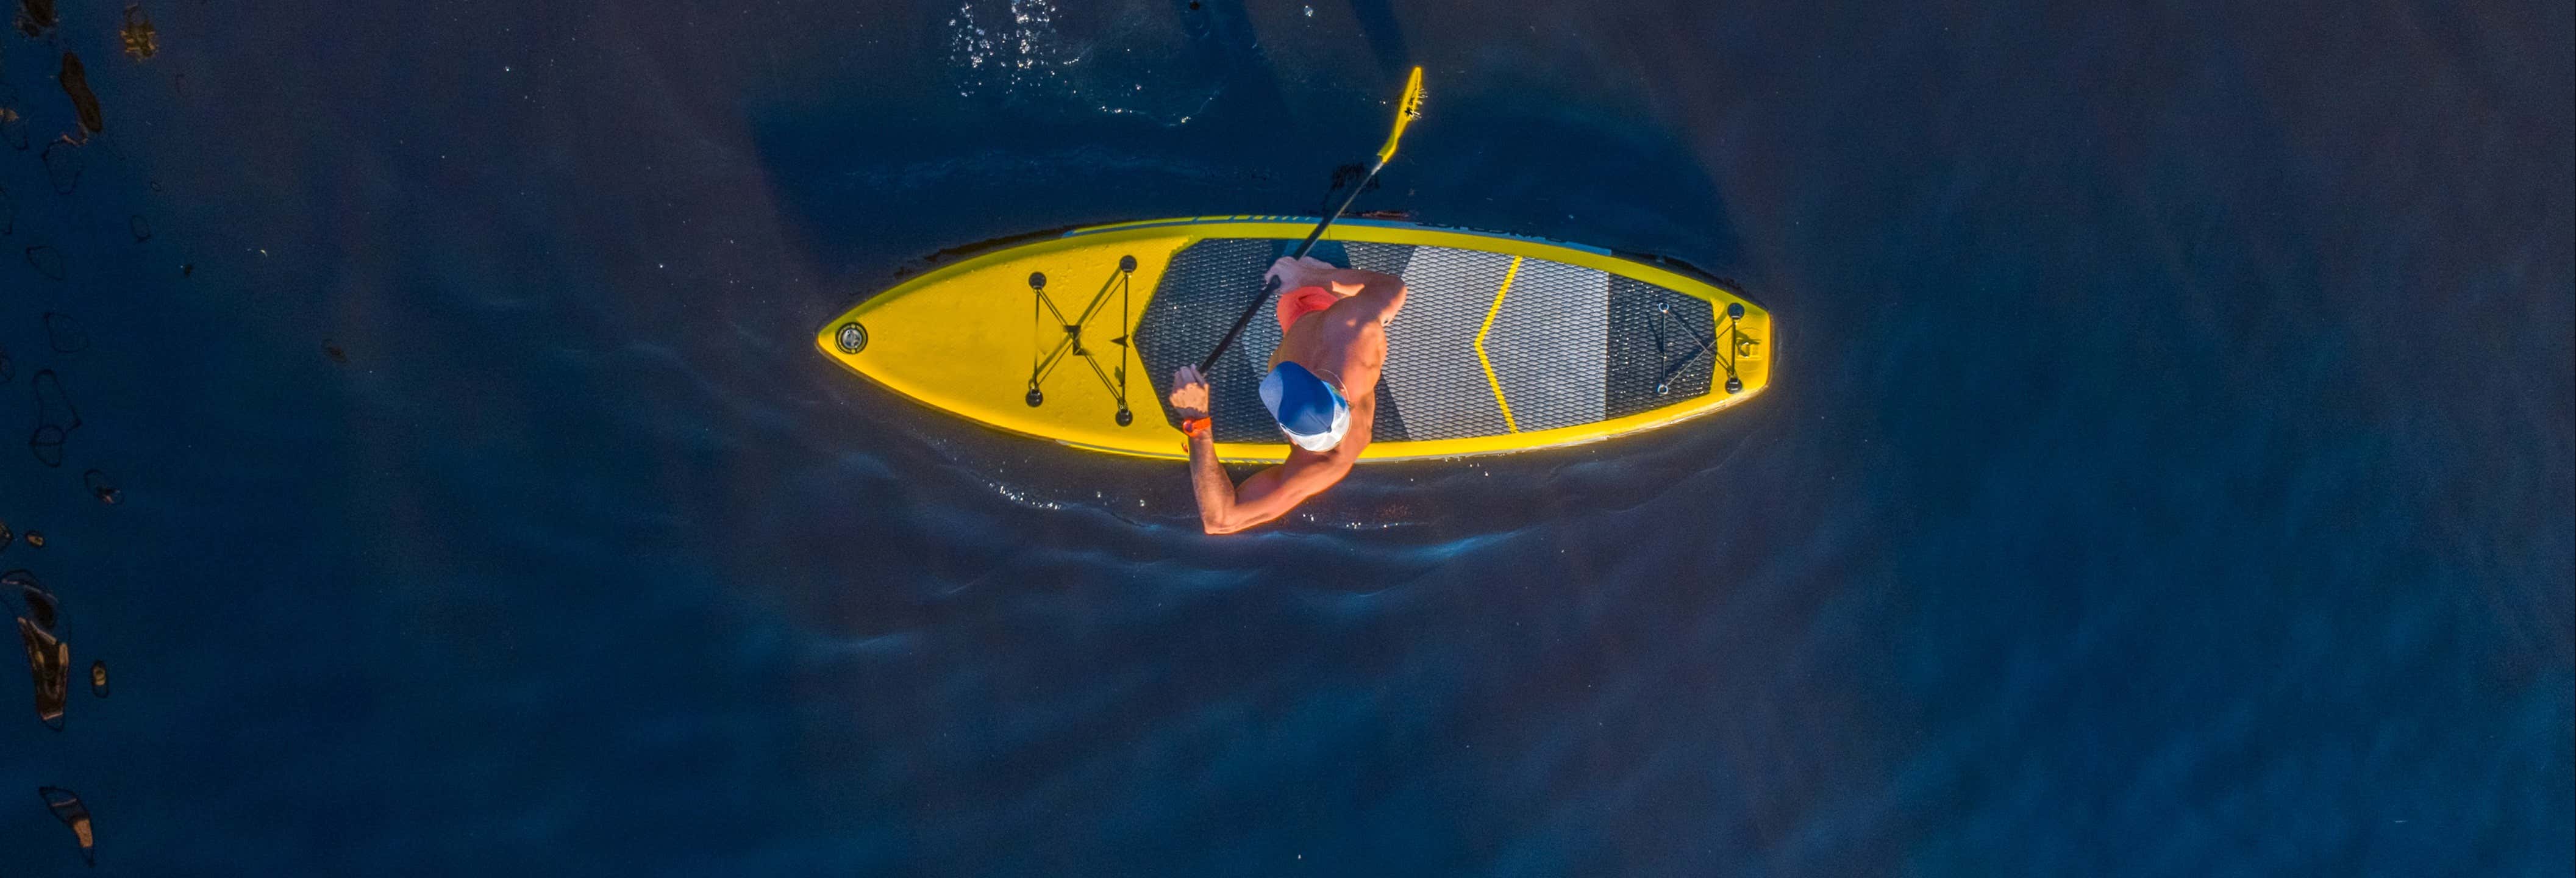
x=1343 y=345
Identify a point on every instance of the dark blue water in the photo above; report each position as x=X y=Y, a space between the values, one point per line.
x=2171 y=468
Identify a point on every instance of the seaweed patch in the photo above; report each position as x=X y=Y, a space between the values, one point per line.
x=46 y=261
x=56 y=418
x=75 y=82
x=35 y=17
x=48 y=657
x=141 y=41
x=65 y=334
x=63 y=164
x=41 y=606
x=101 y=487
x=67 y=808
x=49 y=660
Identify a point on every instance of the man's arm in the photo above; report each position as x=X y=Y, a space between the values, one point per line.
x=1225 y=508
x=1383 y=292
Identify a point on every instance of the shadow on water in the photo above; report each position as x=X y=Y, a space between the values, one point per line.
x=1385 y=35
x=1153 y=111
x=1557 y=169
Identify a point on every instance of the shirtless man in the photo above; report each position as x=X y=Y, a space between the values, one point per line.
x=1321 y=391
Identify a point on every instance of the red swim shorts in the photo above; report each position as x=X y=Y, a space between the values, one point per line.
x=1302 y=301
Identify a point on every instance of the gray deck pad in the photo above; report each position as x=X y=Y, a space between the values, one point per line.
x=1568 y=345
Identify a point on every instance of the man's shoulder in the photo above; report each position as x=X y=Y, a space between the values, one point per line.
x=1351 y=305
x=1353 y=322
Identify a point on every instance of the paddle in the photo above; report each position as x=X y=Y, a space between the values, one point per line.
x=1407 y=109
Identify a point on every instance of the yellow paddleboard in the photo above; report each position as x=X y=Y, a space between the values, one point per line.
x=1505 y=343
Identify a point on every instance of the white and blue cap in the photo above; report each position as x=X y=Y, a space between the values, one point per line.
x=1311 y=412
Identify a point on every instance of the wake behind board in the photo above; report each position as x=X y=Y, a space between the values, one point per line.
x=1505 y=343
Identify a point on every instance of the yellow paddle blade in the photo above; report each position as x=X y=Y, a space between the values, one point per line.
x=1407 y=109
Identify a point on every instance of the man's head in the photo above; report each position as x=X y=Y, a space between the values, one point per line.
x=1311 y=412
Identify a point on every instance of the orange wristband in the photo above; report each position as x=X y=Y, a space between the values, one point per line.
x=1195 y=427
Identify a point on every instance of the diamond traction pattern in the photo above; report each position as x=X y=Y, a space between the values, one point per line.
x=1431 y=366
x=1199 y=296
x=1634 y=363
x=1383 y=259
x=1209 y=281
x=1546 y=344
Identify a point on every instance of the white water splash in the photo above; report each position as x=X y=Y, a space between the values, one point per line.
x=1017 y=52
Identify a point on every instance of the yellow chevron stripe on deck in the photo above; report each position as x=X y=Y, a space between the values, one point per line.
x=1490 y=380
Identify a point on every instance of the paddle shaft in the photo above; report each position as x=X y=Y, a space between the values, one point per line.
x=1271 y=287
